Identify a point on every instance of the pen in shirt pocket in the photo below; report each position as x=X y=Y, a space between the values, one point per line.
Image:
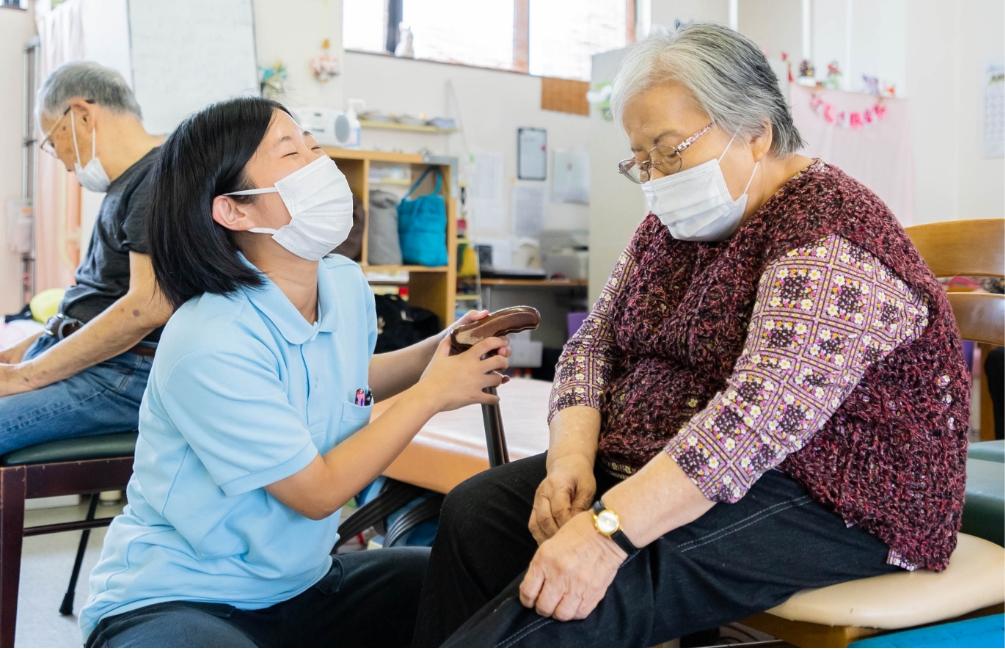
x=364 y=397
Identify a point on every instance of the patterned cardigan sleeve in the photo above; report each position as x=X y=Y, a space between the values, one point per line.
x=823 y=315
x=586 y=363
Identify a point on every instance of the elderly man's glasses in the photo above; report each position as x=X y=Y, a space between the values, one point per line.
x=664 y=158
x=46 y=144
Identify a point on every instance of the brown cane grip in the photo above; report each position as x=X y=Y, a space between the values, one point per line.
x=501 y=323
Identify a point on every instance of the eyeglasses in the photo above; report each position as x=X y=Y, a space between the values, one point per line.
x=664 y=158
x=46 y=144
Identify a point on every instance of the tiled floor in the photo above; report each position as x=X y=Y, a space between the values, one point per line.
x=45 y=571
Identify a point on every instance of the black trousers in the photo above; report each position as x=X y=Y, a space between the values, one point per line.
x=734 y=561
x=367 y=599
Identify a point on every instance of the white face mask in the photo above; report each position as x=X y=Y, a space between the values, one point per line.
x=92 y=177
x=695 y=204
x=320 y=204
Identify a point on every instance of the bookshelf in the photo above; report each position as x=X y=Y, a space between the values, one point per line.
x=429 y=287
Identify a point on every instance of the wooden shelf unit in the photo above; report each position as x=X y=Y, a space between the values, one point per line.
x=431 y=288
x=397 y=126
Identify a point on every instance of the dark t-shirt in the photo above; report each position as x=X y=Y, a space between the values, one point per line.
x=120 y=228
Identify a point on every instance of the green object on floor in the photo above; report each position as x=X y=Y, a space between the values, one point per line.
x=91 y=447
x=984 y=509
x=990 y=451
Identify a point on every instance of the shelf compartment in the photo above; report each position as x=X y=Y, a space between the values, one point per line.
x=416 y=128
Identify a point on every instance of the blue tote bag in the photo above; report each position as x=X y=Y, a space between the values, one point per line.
x=422 y=225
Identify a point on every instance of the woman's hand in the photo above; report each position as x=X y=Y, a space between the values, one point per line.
x=467 y=318
x=452 y=382
x=571 y=571
x=567 y=491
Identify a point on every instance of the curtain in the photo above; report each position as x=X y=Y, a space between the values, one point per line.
x=844 y=129
x=57 y=197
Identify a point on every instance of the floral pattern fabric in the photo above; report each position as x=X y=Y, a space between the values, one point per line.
x=585 y=366
x=824 y=313
x=663 y=349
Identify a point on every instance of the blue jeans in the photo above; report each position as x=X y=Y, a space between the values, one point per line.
x=101 y=399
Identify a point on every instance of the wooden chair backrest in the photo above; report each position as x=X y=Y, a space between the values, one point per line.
x=974 y=248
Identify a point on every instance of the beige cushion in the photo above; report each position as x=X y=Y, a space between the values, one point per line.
x=975 y=579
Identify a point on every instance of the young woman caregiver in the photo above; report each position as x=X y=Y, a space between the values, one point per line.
x=250 y=440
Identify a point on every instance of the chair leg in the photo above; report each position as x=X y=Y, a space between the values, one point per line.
x=12 y=492
x=66 y=608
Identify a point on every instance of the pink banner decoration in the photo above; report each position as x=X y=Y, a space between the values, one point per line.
x=878 y=153
x=847 y=119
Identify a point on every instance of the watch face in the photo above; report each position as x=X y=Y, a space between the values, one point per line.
x=607 y=522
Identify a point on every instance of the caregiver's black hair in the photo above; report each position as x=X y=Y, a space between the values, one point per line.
x=202 y=159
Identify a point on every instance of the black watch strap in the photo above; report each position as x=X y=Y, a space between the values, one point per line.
x=618 y=537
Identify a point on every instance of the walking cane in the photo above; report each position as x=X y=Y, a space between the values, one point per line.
x=501 y=323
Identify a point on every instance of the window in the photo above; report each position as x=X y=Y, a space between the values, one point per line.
x=461 y=31
x=553 y=38
x=364 y=25
x=564 y=34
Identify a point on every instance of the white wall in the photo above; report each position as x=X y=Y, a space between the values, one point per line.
x=980 y=179
x=493 y=105
x=946 y=46
x=617 y=205
x=292 y=31
x=776 y=27
x=664 y=12
x=16 y=28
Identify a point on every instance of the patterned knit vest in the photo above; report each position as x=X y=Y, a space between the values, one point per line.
x=892 y=458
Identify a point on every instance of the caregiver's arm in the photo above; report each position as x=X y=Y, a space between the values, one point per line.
x=394 y=372
x=581 y=376
x=450 y=382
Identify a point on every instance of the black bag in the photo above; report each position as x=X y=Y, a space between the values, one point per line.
x=400 y=325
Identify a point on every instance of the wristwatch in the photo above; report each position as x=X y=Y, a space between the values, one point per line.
x=608 y=524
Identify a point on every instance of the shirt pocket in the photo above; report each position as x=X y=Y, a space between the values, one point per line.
x=354 y=418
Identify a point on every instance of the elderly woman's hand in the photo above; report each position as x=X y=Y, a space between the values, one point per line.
x=571 y=571
x=567 y=490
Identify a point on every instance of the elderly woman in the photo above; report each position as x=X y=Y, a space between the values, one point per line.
x=769 y=395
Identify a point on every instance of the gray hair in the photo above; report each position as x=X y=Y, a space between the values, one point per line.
x=86 y=79
x=725 y=71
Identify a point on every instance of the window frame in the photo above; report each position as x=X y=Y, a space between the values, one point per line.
x=521 y=37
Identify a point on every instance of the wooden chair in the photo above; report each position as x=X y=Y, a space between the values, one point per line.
x=83 y=465
x=974 y=583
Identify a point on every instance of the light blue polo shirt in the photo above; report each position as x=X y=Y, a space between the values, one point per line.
x=243 y=393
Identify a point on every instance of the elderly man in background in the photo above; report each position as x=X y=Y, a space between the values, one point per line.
x=86 y=373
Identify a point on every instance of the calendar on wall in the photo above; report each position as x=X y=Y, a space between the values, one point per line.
x=993 y=109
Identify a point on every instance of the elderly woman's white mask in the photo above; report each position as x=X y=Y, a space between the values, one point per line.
x=695 y=204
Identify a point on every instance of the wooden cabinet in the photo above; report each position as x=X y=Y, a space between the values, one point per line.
x=429 y=287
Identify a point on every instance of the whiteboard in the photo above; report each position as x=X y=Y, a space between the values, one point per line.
x=187 y=54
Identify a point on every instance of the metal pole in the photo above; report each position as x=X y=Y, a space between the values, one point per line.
x=29 y=171
x=495 y=437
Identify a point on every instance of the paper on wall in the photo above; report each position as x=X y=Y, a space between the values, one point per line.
x=532 y=154
x=993 y=110
x=571 y=179
x=485 y=189
x=528 y=210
